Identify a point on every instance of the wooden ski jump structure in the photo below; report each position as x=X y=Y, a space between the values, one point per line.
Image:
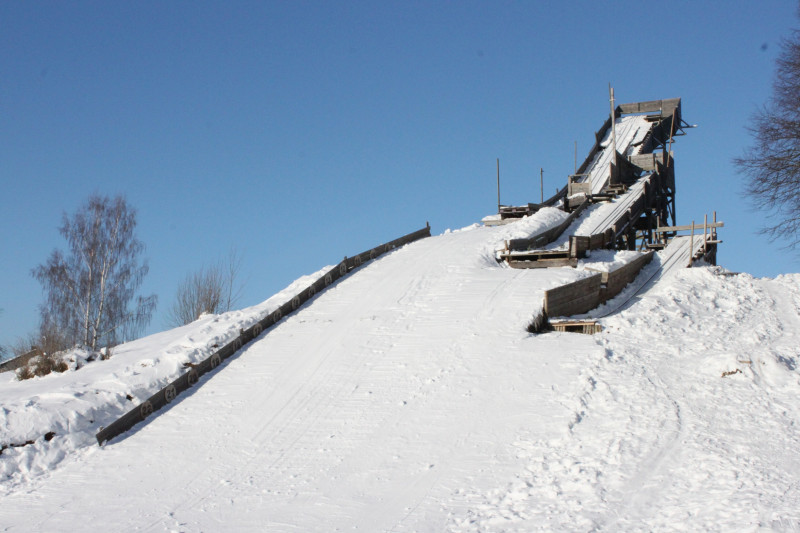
x=622 y=197
x=619 y=198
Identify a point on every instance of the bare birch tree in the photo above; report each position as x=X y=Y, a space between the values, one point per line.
x=212 y=289
x=772 y=164
x=91 y=291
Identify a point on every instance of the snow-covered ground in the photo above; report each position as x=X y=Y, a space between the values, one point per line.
x=409 y=397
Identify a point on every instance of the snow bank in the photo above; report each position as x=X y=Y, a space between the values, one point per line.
x=74 y=405
x=689 y=422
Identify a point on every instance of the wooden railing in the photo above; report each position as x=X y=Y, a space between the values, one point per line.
x=587 y=293
x=192 y=376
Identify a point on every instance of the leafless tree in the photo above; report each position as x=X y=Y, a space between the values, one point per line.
x=89 y=291
x=772 y=163
x=47 y=339
x=212 y=289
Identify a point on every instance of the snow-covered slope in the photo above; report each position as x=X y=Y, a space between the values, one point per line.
x=688 y=423
x=630 y=131
x=75 y=405
x=409 y=397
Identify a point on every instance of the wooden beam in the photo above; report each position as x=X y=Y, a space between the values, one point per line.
x=543 y=263
x=665 y=229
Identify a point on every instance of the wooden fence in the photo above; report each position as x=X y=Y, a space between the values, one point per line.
x=12 y=364
x=573 y=298
x=585 y=294
x=192 y=376
x=614 y=282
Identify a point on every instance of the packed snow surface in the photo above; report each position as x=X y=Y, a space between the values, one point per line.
x=630 y=131
x=409 y=397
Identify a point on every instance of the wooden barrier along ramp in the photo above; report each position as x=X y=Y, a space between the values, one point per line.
x=544 y=238
x=587 y=293
x=191 y=377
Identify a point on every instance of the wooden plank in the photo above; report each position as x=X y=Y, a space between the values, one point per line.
x=641 y=107
x=578 y=244
x=665 y=107
x=588 y=293
x=588 y=327
x=617 y=280
x=597 y=241
x=579 y=188
x=544 y=263
x=533 y=255
x=648 y=162
x=573 y=298
x=665 y=229
x=19 y=361
x=575 y=307
x=574 y=290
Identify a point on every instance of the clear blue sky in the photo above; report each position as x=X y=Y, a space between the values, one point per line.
x=301 y=132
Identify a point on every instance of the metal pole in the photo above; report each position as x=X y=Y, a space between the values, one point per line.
x=498 y=185
x=541 y=182
x=576 y=158
x=613 y=125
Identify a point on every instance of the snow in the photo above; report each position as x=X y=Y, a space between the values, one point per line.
x=602 y=216
x=664 y=437
x=630 y=131
x=76 y=404
x=409 y=397
x=597 y=218
x=607 y=260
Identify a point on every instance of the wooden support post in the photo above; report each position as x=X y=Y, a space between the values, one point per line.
x=661 y=236
x=691 y=246
x=714 y=228
x=705 y=229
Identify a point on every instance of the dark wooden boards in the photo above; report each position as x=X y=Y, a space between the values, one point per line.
x=585 y=294
x=588 y=327
x=573 y=298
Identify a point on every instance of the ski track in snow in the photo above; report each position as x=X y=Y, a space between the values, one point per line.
x=660 y=439
x=408 y=397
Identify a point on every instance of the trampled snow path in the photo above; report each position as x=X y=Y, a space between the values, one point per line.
x=378 y=406
x=410 y=398
x=690 y=422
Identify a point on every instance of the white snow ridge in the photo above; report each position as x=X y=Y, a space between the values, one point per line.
x=410 y=397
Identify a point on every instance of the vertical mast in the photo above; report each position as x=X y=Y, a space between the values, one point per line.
x=498 y=185
x=613 y=125
x=541 y=182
